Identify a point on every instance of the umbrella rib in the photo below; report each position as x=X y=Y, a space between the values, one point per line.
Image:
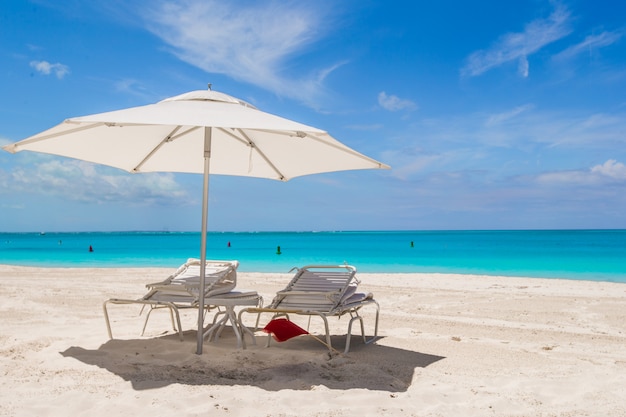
x=246 y=139
x=169 y=138
x=338 y=146
x=54 y=135
x=350 y=151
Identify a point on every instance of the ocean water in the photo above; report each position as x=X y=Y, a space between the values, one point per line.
x=596 y=255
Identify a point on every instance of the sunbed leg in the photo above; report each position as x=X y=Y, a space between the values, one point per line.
x=375 y=337
x=375 y=322
x=172 y=318
x=376 y=325
x=245 y=329
x=365 y=340
x=362 y=329
x=236 y=327
x=349 y=335
x=328 y=342
x=145 y=323
x=218 y=333
x=106 y=319
x=176 y=325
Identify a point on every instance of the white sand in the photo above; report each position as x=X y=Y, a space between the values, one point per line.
x=452 y=345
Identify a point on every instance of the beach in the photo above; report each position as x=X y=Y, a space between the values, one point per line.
x=450 y=345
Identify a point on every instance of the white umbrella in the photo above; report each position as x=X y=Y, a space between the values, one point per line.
x=199 y=132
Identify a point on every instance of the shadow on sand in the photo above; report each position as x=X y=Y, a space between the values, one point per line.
x=298 y=364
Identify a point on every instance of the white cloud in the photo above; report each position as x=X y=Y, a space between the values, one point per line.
x=589 y=44
x=46 y=68
x=409 y=167
x=565 y=178
x=371 y=127
x=519 y=142
x=609 y=172
x=496 y=119
x=83 y=181
x=523 y=66
x=133 y=87
x=394 y=103
x=12 y=206
x=611 y=169
x=518 y=46
x=249 y=43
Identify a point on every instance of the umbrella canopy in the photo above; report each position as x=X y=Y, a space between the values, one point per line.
x=169 y=136
x=204 y=132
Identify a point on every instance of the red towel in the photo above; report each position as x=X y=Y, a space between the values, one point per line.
x=283 y=329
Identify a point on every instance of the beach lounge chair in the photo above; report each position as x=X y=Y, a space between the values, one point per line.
x=182 y=290
x=324 y=291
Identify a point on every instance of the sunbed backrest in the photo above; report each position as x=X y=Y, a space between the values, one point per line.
x=220 y=278
x=318 y=288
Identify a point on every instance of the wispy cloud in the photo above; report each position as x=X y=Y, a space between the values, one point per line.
x=394 y=103
x=590 y=43
x=370 y=127
x=46 y=68
x=82 y=181
x=131 y=86
x=524 y=140
x=523 y=66
x=496 y=119
x=412 y=163
x=518 y=46
x=609 y=172
x=250 y=42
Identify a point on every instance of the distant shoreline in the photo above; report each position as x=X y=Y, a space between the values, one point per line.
x=44 y=232
x=591 y=255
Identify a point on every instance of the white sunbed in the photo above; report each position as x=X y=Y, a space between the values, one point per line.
x=324 y=291
x=182 y=290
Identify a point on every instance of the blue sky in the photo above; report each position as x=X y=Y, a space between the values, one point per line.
x=493 y=115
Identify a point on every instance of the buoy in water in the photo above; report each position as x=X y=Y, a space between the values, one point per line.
x=278 y=252
x=90 y=248
x=412 y=244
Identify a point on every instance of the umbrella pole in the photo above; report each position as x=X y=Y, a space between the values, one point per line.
x=203 y=237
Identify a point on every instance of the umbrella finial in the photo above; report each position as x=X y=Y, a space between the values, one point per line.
x=210 y=86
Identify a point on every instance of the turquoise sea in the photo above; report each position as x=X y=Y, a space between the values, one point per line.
x=597 y=255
